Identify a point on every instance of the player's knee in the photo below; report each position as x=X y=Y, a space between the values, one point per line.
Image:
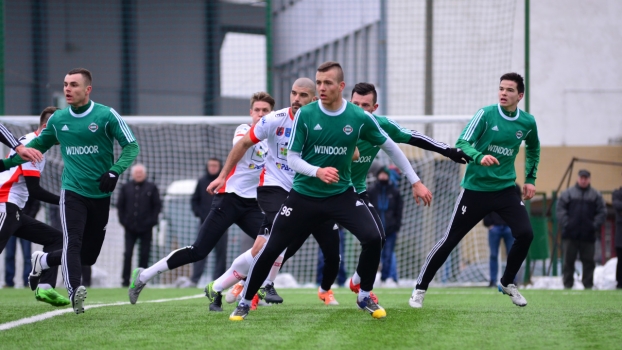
x=373 y=239
x=525 y=235
x=197 y=254
x=331 y=258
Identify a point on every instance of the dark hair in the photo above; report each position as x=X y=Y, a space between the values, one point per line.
x=85 y=74
x=215 y=160
x=326 y=66
x=365 y=89
x=264 y=97
x=46 y=114
x=517 y=78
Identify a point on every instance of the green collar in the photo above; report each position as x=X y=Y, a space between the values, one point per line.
x=508 y=113
x=81 y=109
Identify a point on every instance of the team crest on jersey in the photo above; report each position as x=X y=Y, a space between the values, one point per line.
x=279 y=131
x=347 y=129
x=93 y=127
x=519 y=134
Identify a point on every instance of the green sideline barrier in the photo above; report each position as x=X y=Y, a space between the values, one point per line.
x=539 y=249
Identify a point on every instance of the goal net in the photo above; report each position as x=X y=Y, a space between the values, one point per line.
x=175 y=151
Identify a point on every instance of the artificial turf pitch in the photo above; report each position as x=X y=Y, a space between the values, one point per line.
x=452 y=318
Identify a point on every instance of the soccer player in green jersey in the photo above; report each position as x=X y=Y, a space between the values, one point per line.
x=365 y=96
x=320 y=151
x=492 y=138
x=85 y=131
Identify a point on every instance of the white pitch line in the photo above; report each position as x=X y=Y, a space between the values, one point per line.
x=45 y=316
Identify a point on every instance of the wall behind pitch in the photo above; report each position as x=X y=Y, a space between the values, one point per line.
x=576 y=73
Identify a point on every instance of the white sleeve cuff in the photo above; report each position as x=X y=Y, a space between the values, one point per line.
x=393 y=151
x=299 y=165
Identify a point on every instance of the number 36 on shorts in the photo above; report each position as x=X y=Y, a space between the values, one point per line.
x=286 y=211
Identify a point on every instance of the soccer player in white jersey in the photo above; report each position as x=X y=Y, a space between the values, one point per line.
x=16 y=186
x=274 y=186
x=323 y=142
x=235 y=203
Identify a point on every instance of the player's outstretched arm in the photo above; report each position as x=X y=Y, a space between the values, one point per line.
x=29 y=154
x=236 y=153
x=419 y=190
x=39 y=144
x=427 y=143
x=419 y=140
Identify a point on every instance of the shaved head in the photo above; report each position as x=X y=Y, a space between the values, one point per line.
x=303 y=93
x=305 y=83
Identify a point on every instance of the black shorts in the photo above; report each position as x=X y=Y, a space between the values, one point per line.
x=270 y=199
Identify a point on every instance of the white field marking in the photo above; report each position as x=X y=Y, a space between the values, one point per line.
x=393 y=292
x=45 y=316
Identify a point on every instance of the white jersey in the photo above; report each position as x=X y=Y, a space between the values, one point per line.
x=244 y=177
x=12 y=183
x=275 y=129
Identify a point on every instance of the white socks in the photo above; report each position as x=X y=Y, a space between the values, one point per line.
x=356 y=279
x=275 y=269
x=157 y=268
x=362 y=295
x=44 y=286
x=238 y=270
x=44 y=262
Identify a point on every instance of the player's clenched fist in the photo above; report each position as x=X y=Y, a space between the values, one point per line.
x=328 y=175
x=420 y=191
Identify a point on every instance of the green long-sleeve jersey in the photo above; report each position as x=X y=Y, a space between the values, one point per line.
x=86 y=136
x=494 y=131
x=368 y=152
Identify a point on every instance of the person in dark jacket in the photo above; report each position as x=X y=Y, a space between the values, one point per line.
x=138 y=207
x=580 y=213
x=617 y=206
x=497 y=230
x=201 y=205
x=388 y=202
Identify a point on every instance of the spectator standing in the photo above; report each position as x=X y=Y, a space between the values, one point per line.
x=138 y=207
x=498 y=230
x=617 y=206
x=580 y=213
x=388 y=202
x=201 y=204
